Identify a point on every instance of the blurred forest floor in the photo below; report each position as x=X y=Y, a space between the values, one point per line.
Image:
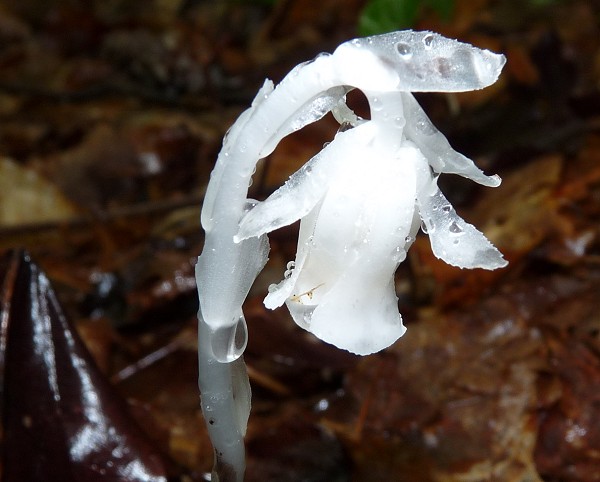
x=111 y=116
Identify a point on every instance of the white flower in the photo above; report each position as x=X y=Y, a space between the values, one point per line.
x=361 y=201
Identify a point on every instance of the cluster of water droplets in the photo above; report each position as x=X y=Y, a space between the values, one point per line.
x=289 y=269
x=406 y=50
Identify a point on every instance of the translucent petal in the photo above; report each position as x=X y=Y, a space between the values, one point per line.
x=436 y=148
x=305 y=188
x=341 y=288
x=280 y=292
x=344 y=115
x=452 y=239
x=310 y=112
x=420 y=62
x=292 y=201
x=359 y=314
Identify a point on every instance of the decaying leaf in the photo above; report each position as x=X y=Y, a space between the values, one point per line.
x=27 y=198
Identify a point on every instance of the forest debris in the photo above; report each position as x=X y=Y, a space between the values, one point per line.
x=27 y=198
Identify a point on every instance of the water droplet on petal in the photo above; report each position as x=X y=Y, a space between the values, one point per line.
x=399 y=254
x=446 y=208
x=229 y=343
x=289 y=269
x=250 y=203
x=376 y=104
x=455 y=229
x=404 y=50
x=423 y=227
x=428 y=41
x=306 y=318
x=425 y=127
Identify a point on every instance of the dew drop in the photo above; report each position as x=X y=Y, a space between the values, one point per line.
x=408 y=239
x=376 y=103
x=307 y=317
x=423 y=227
x=228 y=343
x=399 y=254
x=425 y=127
x=250 y=203
x=455 y=228
x=446 y=208
x=289 y=269
x=428 y=41
x=404 y=50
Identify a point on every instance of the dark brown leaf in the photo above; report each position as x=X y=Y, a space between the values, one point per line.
x=62 y=421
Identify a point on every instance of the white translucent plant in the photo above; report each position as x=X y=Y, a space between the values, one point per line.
x=361 y=201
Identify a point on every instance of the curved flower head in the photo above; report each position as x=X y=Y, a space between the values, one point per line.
x=356 y=227
x=360 y=205
x=417 y=61
x=361 y=201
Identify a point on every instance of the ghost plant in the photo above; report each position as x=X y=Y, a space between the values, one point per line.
x=361 y=202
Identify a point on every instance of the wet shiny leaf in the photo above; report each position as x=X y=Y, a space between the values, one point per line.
x=62 y=421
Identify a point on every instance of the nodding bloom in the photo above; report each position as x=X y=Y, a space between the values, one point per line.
x=361 y=202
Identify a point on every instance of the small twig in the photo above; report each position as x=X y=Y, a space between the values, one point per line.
x=146 y=361
x=267 y=382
